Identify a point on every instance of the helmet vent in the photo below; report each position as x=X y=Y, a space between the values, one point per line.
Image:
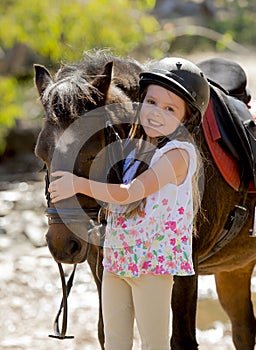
x=178 y=65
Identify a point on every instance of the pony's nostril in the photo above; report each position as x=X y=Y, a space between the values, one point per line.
x=74 y=247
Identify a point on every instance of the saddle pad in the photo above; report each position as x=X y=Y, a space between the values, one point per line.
x=226 y=164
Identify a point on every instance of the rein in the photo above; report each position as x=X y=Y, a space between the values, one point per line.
x=64 y=305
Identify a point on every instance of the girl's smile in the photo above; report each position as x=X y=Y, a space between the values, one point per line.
x=161 y=112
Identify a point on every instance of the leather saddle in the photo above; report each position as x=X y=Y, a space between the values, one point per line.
x=229 y=127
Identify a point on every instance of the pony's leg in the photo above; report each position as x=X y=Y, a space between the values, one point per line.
x=184 y=303
x=234 y=293
x=95 y=262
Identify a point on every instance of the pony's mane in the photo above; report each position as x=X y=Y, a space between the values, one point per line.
x=68 y=98
x=71 y=92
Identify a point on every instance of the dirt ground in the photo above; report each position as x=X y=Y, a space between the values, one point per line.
x=30 y=289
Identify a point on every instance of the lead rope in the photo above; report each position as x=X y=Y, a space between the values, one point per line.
x=65 y=287
x=64 y=305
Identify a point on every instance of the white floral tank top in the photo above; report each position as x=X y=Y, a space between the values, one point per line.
x=159 y=241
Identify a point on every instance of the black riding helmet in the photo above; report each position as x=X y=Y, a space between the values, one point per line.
x=183 y=78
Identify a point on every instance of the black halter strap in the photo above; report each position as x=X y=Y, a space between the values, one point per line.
x=67 y=215
x=112 y=136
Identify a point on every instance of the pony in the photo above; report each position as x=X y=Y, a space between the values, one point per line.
x=76 y=92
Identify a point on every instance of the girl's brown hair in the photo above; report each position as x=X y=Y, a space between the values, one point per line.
x=145 y=148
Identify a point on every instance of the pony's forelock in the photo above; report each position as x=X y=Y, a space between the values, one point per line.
x=68 y=98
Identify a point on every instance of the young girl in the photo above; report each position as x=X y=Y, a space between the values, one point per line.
x=149 y=242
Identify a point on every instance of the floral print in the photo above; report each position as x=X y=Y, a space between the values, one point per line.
x=160 y=241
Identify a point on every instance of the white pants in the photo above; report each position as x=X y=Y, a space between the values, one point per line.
x=147 y=299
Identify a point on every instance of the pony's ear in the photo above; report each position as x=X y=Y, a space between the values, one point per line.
x=102 y=82
x=42 y=78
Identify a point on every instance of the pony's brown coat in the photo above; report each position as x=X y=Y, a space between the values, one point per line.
x=232 y=266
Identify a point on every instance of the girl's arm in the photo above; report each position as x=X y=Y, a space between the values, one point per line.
x=171 y=167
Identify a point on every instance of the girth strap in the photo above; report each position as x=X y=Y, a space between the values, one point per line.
x=233 y=225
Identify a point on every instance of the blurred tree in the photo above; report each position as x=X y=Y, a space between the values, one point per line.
x=9 y=106
x=61 y=30
x=58 y=31
x=237 y=20
x=218 y=24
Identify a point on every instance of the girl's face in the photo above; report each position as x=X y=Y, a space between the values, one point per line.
x=161 y=112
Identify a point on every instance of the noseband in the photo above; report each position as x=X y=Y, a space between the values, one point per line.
x=67 y=215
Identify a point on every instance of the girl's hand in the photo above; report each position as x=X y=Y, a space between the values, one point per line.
x=62 y=188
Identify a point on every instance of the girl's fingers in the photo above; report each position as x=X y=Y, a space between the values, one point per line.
x=58 y=173
x=62 y=187
x=51 y=186
x=53 y=196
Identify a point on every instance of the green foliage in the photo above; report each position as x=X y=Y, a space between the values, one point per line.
x=64 y=29
x=61 y=30
x=237 y=22
x=10 y=108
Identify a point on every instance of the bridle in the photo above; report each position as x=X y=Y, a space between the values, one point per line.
x=94 y=219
